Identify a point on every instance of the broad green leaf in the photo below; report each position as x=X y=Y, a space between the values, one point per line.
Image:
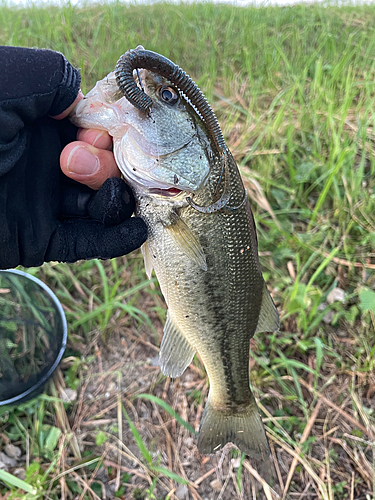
x=101 y=438
x=367 y=299
x=52 y=438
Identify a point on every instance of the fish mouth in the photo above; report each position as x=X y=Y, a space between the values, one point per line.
x=168 y=193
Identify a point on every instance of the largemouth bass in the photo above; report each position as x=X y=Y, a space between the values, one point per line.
x=202 y=240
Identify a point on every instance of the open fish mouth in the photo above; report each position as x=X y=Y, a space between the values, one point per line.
x=168 y=193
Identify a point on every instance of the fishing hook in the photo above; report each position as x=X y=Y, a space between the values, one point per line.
x=140 y=80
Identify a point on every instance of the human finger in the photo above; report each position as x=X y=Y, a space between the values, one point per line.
x=98 y=138
x=87 y=164
x=111 y=204
x=68 y=110
x=74 y=240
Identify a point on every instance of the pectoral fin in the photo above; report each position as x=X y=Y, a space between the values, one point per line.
x=147 y=259
x=186 y=240
x=176 y=353
x=269 y=320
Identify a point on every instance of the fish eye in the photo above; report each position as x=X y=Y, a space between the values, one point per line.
x=168 y=95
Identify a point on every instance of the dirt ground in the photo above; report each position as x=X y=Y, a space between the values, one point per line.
x=122 y=364
x=124 y=367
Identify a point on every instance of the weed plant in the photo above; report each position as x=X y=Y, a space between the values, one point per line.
x=293 y=89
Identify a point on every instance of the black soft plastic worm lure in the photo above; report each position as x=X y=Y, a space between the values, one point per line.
x=141 y=58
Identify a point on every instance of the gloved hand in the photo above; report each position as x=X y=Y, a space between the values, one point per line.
x=44 y=215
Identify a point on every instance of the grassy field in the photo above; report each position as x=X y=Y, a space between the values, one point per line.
x=293 y=89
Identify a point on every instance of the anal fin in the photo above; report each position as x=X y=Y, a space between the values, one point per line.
x=176 y=353
x=269 y=320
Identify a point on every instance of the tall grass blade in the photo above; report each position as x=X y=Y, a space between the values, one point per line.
x=138 y=439
x=168 y=409
x=170 y=474
x=15 y=481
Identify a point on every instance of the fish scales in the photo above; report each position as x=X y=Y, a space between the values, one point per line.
x=206 y=260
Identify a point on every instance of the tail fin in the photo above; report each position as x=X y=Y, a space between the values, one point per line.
x=243 y=428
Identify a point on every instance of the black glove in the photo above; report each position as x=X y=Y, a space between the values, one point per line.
x=44 y=215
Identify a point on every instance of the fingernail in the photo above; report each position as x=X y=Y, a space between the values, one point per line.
x=82 y=162
x=98 y=137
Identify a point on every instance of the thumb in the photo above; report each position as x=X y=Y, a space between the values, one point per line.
x=87 y=164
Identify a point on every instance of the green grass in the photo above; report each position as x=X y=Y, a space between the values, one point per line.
x=293 y=89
